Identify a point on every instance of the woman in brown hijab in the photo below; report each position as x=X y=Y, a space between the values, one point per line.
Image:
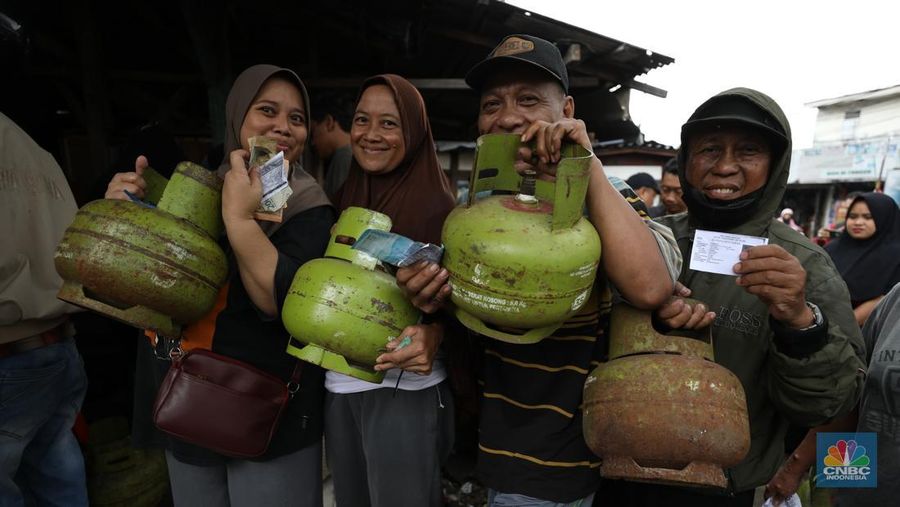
x=385 y=442
x=272 y=102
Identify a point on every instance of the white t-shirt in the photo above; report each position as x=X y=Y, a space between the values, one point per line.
x=344 y=384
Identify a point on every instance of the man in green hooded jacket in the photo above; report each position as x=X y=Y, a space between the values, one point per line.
x=784 y=325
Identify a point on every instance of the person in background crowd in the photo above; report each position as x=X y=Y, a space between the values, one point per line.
x=669 y=192
x=245 y=324
x=400 y=429
x=531 y=447
x=645 y=187
x=867 y=254
x=787 y=216
x=826 y=234
x=784 y=325
x=879 y=407
x=330 y=130
x=42 y=379
x=878 y=412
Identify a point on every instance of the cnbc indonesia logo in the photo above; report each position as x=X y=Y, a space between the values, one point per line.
x=845 y=461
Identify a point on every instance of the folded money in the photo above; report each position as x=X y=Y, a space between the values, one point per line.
x=395 y=249
x=273 y=172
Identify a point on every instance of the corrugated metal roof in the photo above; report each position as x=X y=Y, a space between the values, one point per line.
x=880 y=93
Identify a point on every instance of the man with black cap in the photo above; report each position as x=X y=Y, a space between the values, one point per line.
x=531 y=447
x=645 y=187
x=784 y=325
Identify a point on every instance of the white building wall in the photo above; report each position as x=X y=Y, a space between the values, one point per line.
x=876 y=119
x=828 y=126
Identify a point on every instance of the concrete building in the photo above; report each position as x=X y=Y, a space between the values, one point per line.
x=854 y=148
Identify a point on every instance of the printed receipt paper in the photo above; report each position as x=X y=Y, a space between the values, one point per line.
x=718 y=252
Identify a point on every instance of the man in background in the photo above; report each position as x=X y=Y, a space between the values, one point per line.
x=669 y=192
x=645 y=187
x=42 y=379
x=330 y=129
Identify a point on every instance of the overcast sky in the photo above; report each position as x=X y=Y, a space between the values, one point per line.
x=797 y=51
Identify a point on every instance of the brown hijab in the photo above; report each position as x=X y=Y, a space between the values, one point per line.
x=416 y=195
x=307 y=193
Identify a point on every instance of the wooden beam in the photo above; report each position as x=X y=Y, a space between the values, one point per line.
x=470 y=38
x=460 y=84
x=643 y=87
x=122 y=75
x=594 y=82
x=420 y=83
x=440 y=84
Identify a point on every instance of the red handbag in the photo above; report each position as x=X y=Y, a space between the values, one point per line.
x=222 y=404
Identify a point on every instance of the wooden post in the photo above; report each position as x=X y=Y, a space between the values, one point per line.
x=95 y=110
x=208 y=27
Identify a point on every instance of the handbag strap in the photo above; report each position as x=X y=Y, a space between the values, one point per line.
x=169 y=349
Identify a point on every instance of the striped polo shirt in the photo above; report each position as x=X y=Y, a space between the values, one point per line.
x=530 y=428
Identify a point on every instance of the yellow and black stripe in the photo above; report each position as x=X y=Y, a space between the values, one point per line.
x=530 y=433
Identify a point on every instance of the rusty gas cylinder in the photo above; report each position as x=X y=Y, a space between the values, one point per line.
x=155 y=268
x=661 y=410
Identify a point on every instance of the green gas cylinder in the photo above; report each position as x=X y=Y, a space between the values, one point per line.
x=344 y=306
x=524 y=261
x=153 y=268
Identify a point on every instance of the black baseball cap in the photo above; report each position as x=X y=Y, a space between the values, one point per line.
x=527 y=49
x=641 y=180
x=734 y=109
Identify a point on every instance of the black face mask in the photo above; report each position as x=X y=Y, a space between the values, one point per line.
x=719 y=213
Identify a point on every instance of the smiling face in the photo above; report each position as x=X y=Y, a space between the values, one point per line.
x=516 y=96
x=376 y=136
x=860 y=222
x=729 y=162
x=277 y=112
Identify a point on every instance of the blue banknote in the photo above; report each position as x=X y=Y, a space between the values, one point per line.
x=395 y=249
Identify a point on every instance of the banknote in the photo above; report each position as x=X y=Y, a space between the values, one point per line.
x=273 y=171
x=396 y=249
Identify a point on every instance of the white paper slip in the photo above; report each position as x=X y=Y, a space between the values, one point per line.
x=718 y=252
x=272 y=175
x=276 y=190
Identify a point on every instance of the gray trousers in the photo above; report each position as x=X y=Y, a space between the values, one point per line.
x=385 y=447
x=290 y=480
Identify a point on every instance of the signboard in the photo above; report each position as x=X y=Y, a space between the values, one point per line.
x=856 y=161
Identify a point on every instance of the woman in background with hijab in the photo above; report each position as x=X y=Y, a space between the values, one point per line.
x=385 y=442
x=867 y=254
x=263 y=256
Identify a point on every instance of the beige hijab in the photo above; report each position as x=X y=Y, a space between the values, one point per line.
x=307 y=193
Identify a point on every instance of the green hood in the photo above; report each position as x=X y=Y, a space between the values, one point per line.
x=782 y=387
x=770 y=201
